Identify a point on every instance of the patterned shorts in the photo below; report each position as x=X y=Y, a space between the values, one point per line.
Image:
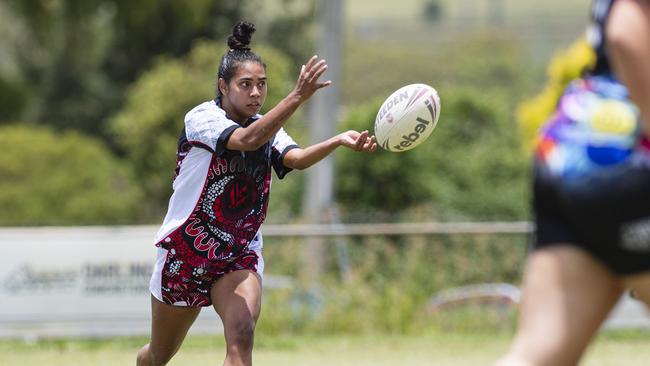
x=184 y=278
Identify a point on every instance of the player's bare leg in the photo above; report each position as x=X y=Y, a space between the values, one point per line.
x=237 y=298
x=169 y=325
x=566 y=296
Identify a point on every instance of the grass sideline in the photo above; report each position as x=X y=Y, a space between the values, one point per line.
x=457 y=349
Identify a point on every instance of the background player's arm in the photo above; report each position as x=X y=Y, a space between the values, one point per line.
x=304 y=158
x=628 y=44
x=257 y=134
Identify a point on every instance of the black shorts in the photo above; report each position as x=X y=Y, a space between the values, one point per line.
x=606 y=214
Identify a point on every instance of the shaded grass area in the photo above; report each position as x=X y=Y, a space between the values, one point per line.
x=437 y=348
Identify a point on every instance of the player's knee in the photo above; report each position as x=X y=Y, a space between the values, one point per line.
x=145 y=357
x=241 y=334
x=159 y=358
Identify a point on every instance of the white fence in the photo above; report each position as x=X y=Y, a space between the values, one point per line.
x=93 y=281
x=75 y=281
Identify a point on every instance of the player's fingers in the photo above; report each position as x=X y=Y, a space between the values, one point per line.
x=310 y=73
x=367 y=145
x=361 y=140
x=369 y=141
x=370 y=145
x=318 y=70
x=302 y=72
x=322 y=85
x=311 y=62
x=362 y=135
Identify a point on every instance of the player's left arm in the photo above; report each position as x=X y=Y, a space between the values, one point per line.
x=304 y=158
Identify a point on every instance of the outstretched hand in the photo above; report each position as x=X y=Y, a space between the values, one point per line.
x=308 y=80
x=358 y=141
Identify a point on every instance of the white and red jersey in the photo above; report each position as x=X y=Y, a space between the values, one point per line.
x=220 y=196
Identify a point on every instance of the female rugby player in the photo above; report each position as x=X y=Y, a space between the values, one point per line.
x=209 y=245
x=591 y=195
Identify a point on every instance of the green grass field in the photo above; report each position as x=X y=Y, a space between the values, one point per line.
x=437 y=349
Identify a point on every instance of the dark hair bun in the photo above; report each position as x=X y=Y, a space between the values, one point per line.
x=241 y=36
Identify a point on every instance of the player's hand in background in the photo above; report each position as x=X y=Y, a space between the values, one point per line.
x=308 y=82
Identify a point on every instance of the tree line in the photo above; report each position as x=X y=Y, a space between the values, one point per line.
x=93 y=94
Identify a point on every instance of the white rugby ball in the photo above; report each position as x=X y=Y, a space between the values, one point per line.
x=407 y=117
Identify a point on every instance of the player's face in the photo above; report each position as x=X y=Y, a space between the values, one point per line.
x=244 y=95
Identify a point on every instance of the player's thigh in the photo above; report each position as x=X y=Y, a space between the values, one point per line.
x=169 y=325
x=237 y=297
x=566 y=296
x=640 y=285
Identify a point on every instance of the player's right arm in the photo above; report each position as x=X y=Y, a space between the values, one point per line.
x=257 y=134
x=304 y=158
x=628 y=43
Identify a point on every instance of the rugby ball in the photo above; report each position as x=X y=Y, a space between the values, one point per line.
x=407 y=117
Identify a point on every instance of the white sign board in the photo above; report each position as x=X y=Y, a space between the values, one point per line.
x=80 y=282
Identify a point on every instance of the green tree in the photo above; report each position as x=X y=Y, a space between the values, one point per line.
x=490 y=61
x=477 y=169
x=380 y=183
x=287 y=25
x=75 y=57
x=62 y=179
x=472 y=164
x=432 y=11
x=564 y=67
x=470 y=168
x=69 y=61
x=148 y=127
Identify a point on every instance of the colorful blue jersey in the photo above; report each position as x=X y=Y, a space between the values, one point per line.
x=595 y=127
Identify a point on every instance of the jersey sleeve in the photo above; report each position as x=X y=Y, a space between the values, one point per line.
x=209 y=128
x=282 y=143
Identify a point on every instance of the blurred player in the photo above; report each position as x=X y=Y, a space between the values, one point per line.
x=210 y=247
x=591 y=195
